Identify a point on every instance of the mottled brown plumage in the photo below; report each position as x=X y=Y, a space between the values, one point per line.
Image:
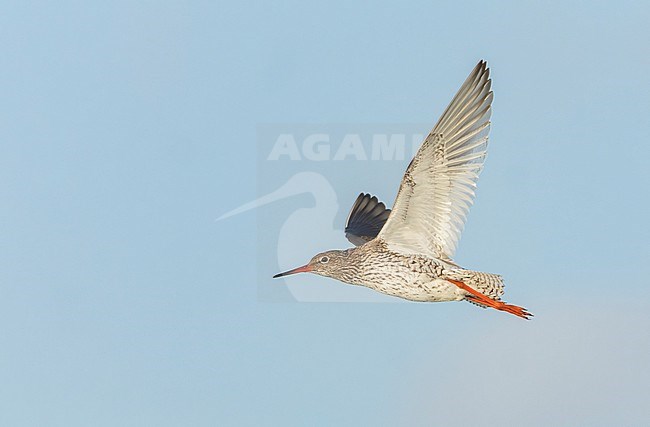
x=407 y=252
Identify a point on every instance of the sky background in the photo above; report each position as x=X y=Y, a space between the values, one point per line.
x=127 y=128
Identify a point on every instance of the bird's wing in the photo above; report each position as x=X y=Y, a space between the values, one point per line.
x=438 y=187
x=367 y=216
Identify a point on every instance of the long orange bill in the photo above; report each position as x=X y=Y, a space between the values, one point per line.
x=303 y=269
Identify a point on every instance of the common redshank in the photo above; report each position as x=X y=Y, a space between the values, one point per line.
x=407 y=252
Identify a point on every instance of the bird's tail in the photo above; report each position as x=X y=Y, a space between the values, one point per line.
x=485 y=290
x=490 y=285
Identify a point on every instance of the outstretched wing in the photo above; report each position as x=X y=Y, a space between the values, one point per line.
x=367 y=216
x=438 y=187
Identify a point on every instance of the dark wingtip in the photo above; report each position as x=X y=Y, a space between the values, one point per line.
x=366 y=219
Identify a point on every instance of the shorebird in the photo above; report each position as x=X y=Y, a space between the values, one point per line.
x=407 y=252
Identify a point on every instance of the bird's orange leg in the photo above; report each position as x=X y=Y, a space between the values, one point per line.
x=479 y=298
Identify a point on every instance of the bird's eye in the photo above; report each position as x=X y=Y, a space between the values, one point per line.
x=324 y=260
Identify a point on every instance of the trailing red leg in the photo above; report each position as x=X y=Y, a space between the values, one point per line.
x=479 y=298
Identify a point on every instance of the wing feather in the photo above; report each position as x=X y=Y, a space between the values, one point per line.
x=438 y=187
x=367 y=217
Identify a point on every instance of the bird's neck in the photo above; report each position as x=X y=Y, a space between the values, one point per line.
x=361 y=261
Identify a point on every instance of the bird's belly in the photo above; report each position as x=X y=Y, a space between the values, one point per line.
x=417 y=287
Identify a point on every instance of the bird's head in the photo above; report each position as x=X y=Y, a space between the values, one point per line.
x=327 y=264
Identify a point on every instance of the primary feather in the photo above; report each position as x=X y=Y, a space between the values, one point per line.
x=437 y=190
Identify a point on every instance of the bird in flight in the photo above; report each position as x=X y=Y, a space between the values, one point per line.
x=407 y=251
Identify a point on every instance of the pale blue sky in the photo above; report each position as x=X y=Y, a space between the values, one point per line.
x=127 y=128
